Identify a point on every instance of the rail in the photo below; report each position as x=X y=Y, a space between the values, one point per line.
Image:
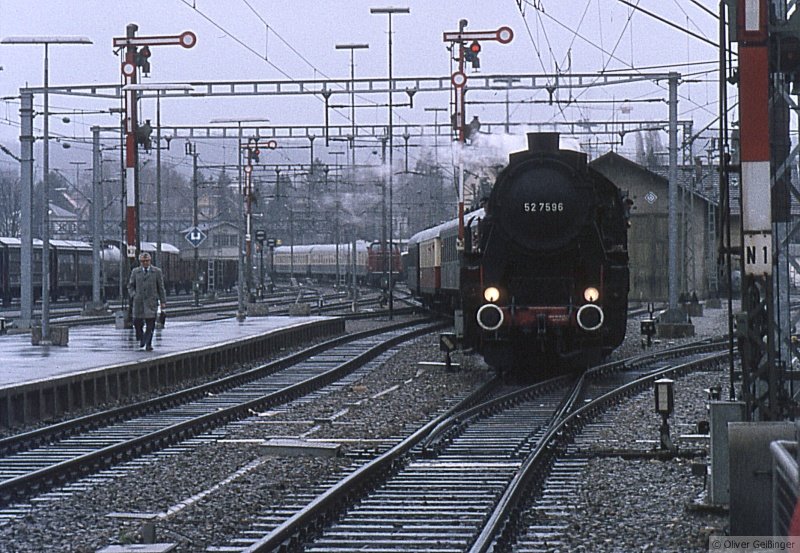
x=289 y=534
x=499 y=526
x=215 y=416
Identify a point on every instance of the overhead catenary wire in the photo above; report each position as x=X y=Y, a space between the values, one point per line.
x=271 y=29
x=288 y=45
x=619 y=40
x=533 y=41
x=570 y=28
x=253 y=51
x=574 y=39
x=670 y=23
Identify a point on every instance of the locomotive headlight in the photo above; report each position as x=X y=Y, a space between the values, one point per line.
x=591 y=294
x=491 y=294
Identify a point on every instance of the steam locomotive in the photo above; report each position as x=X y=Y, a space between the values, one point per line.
x=543 y=275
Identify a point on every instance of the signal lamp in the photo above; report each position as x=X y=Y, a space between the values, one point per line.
x=491 y=294
x=591 y=294
x=471 y=54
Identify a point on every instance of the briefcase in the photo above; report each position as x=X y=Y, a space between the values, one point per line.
x=162 y=318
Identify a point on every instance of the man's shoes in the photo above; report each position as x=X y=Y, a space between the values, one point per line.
x=141 y=347
x=149 y=348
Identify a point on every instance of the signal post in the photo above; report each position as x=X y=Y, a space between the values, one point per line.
x=137 y=57
x=769 y=51
x=469 y=276
x=253 y=155
x=457 y=39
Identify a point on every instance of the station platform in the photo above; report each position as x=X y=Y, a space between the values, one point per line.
x=102 y=363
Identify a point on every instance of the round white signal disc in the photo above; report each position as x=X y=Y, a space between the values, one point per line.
x=188 y=39
x=504 y=35
x=458 y=79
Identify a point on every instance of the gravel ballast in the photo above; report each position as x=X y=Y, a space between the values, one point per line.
x=210 y=490
x=641 y=503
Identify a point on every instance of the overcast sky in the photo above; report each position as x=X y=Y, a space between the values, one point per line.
x=245 y=40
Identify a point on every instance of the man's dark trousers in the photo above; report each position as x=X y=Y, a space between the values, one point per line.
x=144 y=333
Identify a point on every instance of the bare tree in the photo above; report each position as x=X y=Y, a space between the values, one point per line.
x=10 y=204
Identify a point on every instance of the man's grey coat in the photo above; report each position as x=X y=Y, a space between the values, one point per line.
x=146 y=289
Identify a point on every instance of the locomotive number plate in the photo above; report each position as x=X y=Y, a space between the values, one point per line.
x=543 y=207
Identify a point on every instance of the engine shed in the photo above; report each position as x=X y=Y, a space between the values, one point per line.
x=648 y=234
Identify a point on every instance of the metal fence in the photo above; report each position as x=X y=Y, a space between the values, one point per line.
x=784 y=485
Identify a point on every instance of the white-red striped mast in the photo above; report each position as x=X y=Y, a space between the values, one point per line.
x=754 y=125
x=760 y=382
x=130 y=65
x=131 y=153
x=503 y=35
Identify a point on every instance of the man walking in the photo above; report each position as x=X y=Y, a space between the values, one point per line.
x=146 y=289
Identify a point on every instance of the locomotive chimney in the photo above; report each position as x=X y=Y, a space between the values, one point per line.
x=543 y=141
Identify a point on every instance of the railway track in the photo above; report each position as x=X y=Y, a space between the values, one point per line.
x=74 y=309
x=333 y=303
x=456 y=483
x=36 y=461
x=544 y=472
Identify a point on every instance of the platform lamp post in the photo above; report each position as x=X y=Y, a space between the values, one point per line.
x=390 y=12
x=27 y=237
x=191 y=150
x=352 y=48
x=97 y=201
x=158 y=88
x=241 y=314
